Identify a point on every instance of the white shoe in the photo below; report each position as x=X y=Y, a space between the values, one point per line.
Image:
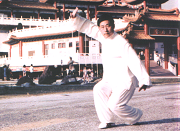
x=106 y=125
x=136 y=120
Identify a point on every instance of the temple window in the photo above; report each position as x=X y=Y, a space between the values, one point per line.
x=86 y=47
x=70 y=44
x=31 y=53
x=61 y=45
x=46 y=49
x=53 y=46
x=77 y=46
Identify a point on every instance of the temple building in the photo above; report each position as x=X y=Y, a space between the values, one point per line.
x=37 y=32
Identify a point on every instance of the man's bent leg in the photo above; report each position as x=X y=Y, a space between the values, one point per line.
x=102 y=93
x=118 y=105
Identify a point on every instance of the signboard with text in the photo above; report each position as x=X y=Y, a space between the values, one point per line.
x=167 y=32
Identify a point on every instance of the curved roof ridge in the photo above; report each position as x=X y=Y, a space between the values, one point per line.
x=139 y=35
x=162 y=10
x=28 y=4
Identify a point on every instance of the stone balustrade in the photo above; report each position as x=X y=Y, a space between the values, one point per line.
x=43 y=26
x=80 y=58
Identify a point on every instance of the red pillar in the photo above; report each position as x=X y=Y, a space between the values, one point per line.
x=38 y=14
x=96 y=12
x=11 y=13
x=147 y=63
x=144 y=5
x=81 y=43
x=55 y=5
x=20 y=55
x=63 y=11
x=55 y=16
x=178 y=55
x=166 y=58
x=88 y=12
x=10 y=47
x=20 y=49
x=146 y=29
x=43 y=48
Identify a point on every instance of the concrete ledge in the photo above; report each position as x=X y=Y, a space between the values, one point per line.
x=162 y=80
x=9 y=87
x=37 y=89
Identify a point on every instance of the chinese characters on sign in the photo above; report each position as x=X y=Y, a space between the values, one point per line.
x=154 y=31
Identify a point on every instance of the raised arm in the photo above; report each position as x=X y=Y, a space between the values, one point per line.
x=73 y=15
x=84 y=25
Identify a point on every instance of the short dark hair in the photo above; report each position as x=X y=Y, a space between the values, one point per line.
x=104 y=17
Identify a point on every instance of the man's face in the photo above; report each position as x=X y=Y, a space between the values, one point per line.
x=106 y=29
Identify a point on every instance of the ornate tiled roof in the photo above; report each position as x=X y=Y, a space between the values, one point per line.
x=161 y=10
x=14 y=40
x=79 y=1
x=132 y=18
x=134 y=2
x=43 y=1
x=163 y=17
x=116 y=9
x=139 y=35
x=157 y=1
x=162 y=14
x=27 y=5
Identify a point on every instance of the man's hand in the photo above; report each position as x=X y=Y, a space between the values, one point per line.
x=73 y=15
x=143 y=87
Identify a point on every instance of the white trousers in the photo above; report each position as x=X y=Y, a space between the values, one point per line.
x=111 y=98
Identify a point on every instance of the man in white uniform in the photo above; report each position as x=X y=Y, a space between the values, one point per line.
x=120 y=65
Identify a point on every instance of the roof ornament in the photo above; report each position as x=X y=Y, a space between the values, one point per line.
x=132 y=18
x=177 y=11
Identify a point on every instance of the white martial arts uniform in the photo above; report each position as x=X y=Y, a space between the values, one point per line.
x=120 y=65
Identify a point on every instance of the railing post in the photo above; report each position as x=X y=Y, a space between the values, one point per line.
x=20 y=49
x=178 y=56
x=2 y=18
x=79 y=64
x=11 y=19
x=21 y=19
x=57 y=19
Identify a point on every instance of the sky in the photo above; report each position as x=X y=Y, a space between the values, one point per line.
x=171 y=4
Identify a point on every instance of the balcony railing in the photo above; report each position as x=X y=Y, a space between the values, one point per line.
x=29 y=21
x=43 y=30
x=62 y=59
x=43 y=26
